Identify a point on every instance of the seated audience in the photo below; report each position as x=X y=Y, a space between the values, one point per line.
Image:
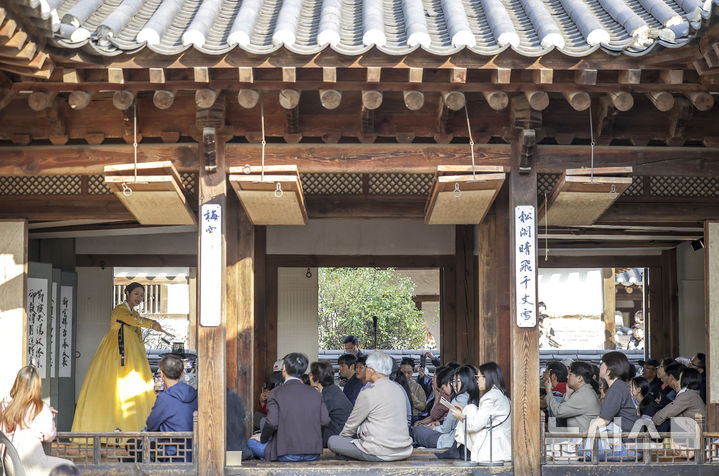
x=464 y=388
x=441 y=388
x=399 y=378
x=582 y=405
x=353 y=385
x=174 y=406
x=275 y=380
x=688 y=402
x=602 y=389
x=642 y=397
x=557 y=374
x=418 y=397
x=491 y=411
x=361 y=370
x=351 y=345
x=649 y=372
x=617 y=403
x=424 y=380
x=699 y=362
x=666 y=393
x=339 y=407
x=295 y=416
x=636 y=342
x=28 y=422
x=235 y=430
x=376 y=429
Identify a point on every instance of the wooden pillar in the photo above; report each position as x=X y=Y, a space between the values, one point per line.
x=448 y=315
x=711 y=283
x=13 y=295
x=670 y=297
x=524 y=340
x=610 y=307
x=655 y=334
x=245 y=292
x=466 y=323
x=493 y=288
x=260 y=324
x=211 y=347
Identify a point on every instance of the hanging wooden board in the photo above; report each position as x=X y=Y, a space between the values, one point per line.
x=264 y=202
x=469 y=205
x=157 y=194
x=581 y=196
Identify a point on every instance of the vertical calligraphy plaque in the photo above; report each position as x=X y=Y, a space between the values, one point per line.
x=37 y=311
x=53 y=333
x=65 y=335
x=211 y=265
x=525 y=265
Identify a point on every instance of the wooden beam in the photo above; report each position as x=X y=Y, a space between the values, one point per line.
x=79 y=100
x=68 y=207
x=497 y=100
x=289 y=98
x=579 y=100
x=374 y=73
x=543 y=76
x=415 y=75
x=371 y=99
x=454 y=100
x=586 y=77
x=458 y=75
x=671 y=76
x=702 y=101
x=260 y=329
x=662 y=100
x=630 y=76
x=501 y=76
x=711 y=316
x=205 y=98
x=492 y=285
x=248 y=98
x=413 y=100
x=538 y=100
x=466 y=328
x=330 y=98
x=289 y=74
x=72 y=75
x=115 y=76
x=293 y=133
x=201 y=74
x=329 y=74
x=448 y=311
x=246 y=74
x=123 y=100
x=621 y=100
x=157 y=75
x=211 y=346
x=163 y=99
x=40 y=100
x=524 y=340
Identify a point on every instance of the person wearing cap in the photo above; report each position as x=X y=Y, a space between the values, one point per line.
x=649 y=372
x=636 y=342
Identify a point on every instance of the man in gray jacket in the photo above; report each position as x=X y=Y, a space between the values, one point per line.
x=582 y=406
x=376 y=430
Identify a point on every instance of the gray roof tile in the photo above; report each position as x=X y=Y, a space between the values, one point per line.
x=351 y=27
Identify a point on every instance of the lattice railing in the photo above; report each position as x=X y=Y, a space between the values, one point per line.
x=332 y=184
x=673 y=186
x=96 y=185
x=41 y=185
x=400 y=184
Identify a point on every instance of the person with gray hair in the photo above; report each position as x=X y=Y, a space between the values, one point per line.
x=376 y=429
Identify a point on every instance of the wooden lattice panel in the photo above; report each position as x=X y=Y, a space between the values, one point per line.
x=41 y=185
x=400 y=184
x=332 y=184
x=189 y=180
x=545 y=183
x=96 y=185
x=674 y=186
x=636 y=189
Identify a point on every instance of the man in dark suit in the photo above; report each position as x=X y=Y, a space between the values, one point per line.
x=295 y=416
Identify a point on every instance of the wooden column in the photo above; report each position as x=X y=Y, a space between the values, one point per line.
x=13 y=295
x=524 y=341
x=466 y=323
x=670 y=296
x=211 y=346
x=711 y=283
x=662 y=323
x=448 y=315
x=240 y=305
x=610 y=307
x=493 y=285
x=260 y=325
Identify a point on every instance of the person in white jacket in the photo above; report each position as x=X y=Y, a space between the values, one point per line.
x=492 y=410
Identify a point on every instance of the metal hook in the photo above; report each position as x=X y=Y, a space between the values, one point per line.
x=308 y=274
x=278 y=190
x=246 y=169
x=126 y=190
x=457 y=192
x=613 y=192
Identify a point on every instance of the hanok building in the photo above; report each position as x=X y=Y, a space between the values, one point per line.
x=404 y=133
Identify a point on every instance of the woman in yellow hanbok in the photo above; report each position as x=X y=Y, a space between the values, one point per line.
x=118 y=389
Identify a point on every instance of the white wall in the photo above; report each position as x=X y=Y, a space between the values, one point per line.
x=297 y=327
x=94 y=307
x=690 y=281
x=571 y=291
x=361 y=237
x=164 y=244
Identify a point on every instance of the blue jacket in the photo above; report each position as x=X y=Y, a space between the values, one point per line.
x=352 y=388
x=173 y=409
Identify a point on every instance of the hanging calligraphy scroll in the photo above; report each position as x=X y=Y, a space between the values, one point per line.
x=65 y=334
x=211 y=265
x=53 y=333
x=37 y=316
x=525 y=265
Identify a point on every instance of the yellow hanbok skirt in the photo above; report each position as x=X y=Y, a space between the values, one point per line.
x=115 y=395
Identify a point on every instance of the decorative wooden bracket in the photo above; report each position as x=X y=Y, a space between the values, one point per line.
x=528 y=143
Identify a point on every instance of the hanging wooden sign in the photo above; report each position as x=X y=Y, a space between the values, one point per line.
x=155 y=196
x=461 y=195
x=581 y=196
x=270 y=197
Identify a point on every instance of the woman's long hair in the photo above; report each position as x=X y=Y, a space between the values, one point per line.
x=26 y=404
x=401 y=379
x=493 y=376
x=467 y=383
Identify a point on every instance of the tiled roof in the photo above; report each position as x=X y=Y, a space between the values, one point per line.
x=352 y=27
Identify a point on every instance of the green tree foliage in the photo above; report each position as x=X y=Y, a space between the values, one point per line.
x=349 y=297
